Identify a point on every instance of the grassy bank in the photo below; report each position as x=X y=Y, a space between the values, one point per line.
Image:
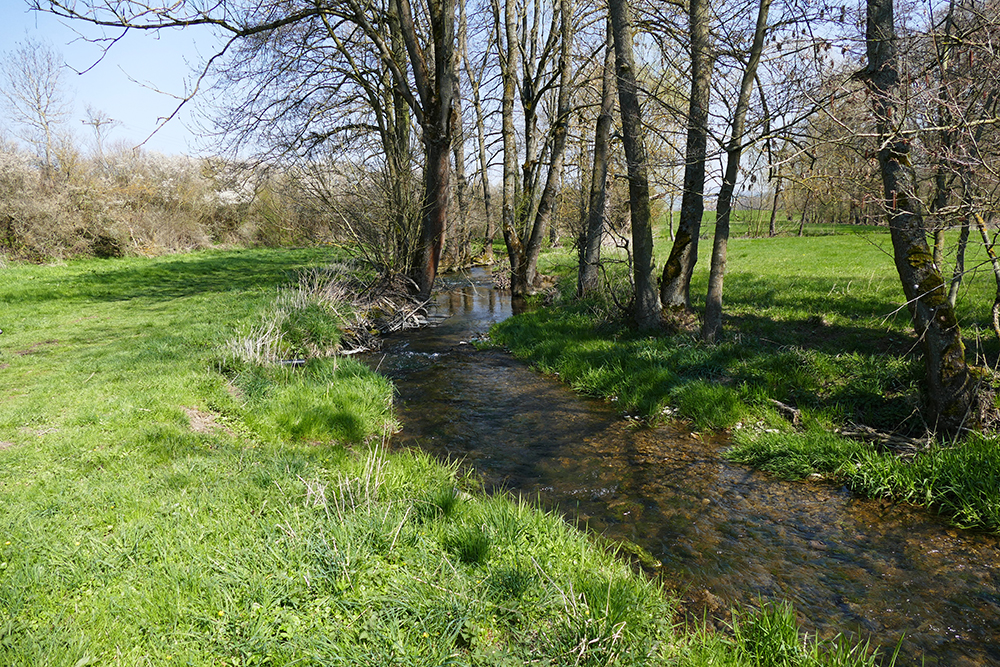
x=813 y=324
x=171 y=495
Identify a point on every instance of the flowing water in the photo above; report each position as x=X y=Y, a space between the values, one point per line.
x=725 y=534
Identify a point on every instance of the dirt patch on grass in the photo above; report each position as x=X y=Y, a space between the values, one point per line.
x=34 y=348
x=5 y=445
x=204 y=422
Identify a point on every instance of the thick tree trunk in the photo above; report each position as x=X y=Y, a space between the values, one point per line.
x=646 y=302
x=437 y=96
x=590 y=253
x=437 y=172
x=675 y=286
x=713 y=302
x=949 y=386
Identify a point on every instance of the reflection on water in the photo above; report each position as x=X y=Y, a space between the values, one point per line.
x=859 y=567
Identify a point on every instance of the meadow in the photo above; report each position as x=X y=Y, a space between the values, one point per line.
x=172 y=493
x=817 y=343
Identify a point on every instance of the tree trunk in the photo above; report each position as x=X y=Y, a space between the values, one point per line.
x=963 y=243
x=507 y=47
x=435 y=214
x=477 y=106
x=560 y=134
x=646 y=303
x=734 y=151
x=670 y=217
x=949 y=387
x=995 y=263
x=590 y=255
x=437 y=96
x=458 y=250
x=947 y=138
x=772 y=229
x=805 y=210
x=675 y=286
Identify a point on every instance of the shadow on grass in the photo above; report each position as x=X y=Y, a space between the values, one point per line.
x=176 y=276
x=845 y=372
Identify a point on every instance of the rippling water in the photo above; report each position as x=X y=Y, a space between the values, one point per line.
x=724 y=533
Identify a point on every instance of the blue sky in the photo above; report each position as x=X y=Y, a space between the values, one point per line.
x=120 y=85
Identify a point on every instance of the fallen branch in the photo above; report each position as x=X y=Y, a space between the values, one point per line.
x=793 y=415
x=899 y=444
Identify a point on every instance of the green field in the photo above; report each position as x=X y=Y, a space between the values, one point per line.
x=171 y=496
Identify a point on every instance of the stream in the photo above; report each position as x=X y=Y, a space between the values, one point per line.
x=724 y=533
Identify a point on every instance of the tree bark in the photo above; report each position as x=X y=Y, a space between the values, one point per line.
x=590 y=255
x=646 y=303
x=436 y=93
x=507 y=46
x=675 y=285
x=772 y=229
x=458 y=248
x=949 y=386
x=560 y=134
x=712 y=325
x=477 y=105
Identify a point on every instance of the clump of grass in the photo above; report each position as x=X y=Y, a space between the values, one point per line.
x=443 y=501
x=470 y=544
x=795 y=455
x=769 y=637
x=258 y=344
x=709 y=405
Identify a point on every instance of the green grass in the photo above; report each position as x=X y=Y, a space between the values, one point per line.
x=171 y=496
x=815 y=323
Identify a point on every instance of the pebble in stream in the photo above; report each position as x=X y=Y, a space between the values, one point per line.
x=723 y=532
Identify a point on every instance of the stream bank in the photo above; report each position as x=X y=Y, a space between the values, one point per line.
x=723 y=533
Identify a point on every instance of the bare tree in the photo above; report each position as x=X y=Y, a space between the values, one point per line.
x=424 y=79
x=475 y=76
x=590 y=247
x=675 y=285
x=734 y=151
x=645 y=301
x=102 y=124
x=35 y=98
x=535 y=52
